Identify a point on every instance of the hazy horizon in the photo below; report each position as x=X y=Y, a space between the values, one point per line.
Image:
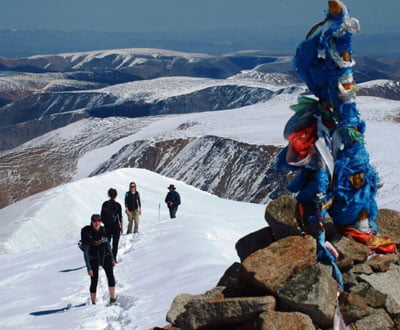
x=184 y=15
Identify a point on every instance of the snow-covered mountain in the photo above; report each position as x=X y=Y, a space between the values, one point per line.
x=43 y=269
x=69 y=142
x=38 y=113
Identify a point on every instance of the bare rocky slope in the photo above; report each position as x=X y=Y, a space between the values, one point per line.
x=224 y=167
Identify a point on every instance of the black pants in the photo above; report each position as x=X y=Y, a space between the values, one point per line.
x=113 y=234
x=172 y=212
x=108 y=268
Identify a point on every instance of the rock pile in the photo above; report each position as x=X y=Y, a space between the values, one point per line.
x=280 y=285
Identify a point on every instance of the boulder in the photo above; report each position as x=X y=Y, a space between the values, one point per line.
x=254 y=241
x=392 y=307
x=345 y=264
x=353 y=307
x=280 y=215
x=270 y=268
x=279 y=320
x=347 y=247
x=213 y=310
x=362 y=269
x=233 y=287
x=312 y=292
x=389 y=224
x=381 y=263
x=387 y=282
x=378 y=320
x=349 y=280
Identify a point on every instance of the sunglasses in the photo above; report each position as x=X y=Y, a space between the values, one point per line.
x=133 y=186
x=96 y=220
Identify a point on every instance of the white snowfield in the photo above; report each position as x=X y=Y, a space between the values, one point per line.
x=42 y=269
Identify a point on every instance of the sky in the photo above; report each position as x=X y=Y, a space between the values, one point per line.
x=184 y=15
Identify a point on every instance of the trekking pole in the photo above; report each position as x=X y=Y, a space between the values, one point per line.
x=159 y=208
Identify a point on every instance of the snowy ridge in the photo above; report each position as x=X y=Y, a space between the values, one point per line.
x=152 y=270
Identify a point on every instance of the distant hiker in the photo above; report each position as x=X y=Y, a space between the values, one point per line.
x=133 y=207
x=173 y=200
x=97 y=252
x=111 y=215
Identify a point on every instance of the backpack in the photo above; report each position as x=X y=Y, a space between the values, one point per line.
x=109 y=213
x=80 y=245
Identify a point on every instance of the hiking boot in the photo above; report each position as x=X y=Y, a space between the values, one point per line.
x=113 y=301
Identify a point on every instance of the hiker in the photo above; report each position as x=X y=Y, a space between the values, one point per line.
x=97 y=252
x=111 y=215
x=133 y=208
x=173 y=200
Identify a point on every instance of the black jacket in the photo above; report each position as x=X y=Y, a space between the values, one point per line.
x=111 y=215
x=132 y=201
x=174 y=198
x=95 y=245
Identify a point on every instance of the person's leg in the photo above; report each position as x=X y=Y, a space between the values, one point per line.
x=130 y=223
x=173 y=212
x=115 y=242
x=136 y=217
x=108 y=268
x=94 y=280
x=170 y=213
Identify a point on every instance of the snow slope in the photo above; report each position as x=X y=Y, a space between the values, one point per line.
x=42 y=268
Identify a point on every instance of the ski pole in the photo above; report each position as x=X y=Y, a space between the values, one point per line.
x=159 y=208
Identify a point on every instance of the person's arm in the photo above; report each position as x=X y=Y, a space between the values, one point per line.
x=85 y=248
x=103 y=209
x=121 y=225
x=178 y=197
x=127 y=203
x=85 y=238
x=138 y=202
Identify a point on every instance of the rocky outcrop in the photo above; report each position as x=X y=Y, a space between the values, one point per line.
x=293 y=254
x=245 y=172
x=282 y=286
x=312 y=292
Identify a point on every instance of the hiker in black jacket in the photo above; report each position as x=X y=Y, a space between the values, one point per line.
x=111 y=215
x=173 y=199
x=133 y=207
x=97 y=252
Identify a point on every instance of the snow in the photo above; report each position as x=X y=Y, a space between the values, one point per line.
x=42 y=267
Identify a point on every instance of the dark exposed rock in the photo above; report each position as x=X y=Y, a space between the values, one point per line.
x=193 y=161
x=293 y=255
x=229 y=274
x=254 y=241
x=273 y=320
x=213 y=310
x=386 y=282
x=378 y=320
x=362 y=269
x=373 y=298
x=347 y=247
x=312 y=292
x=345 y=264
x=381 y=263
x=279 y=214
x=349 y=280
x=353 y=307
x=392 y=307
x=233 y=287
